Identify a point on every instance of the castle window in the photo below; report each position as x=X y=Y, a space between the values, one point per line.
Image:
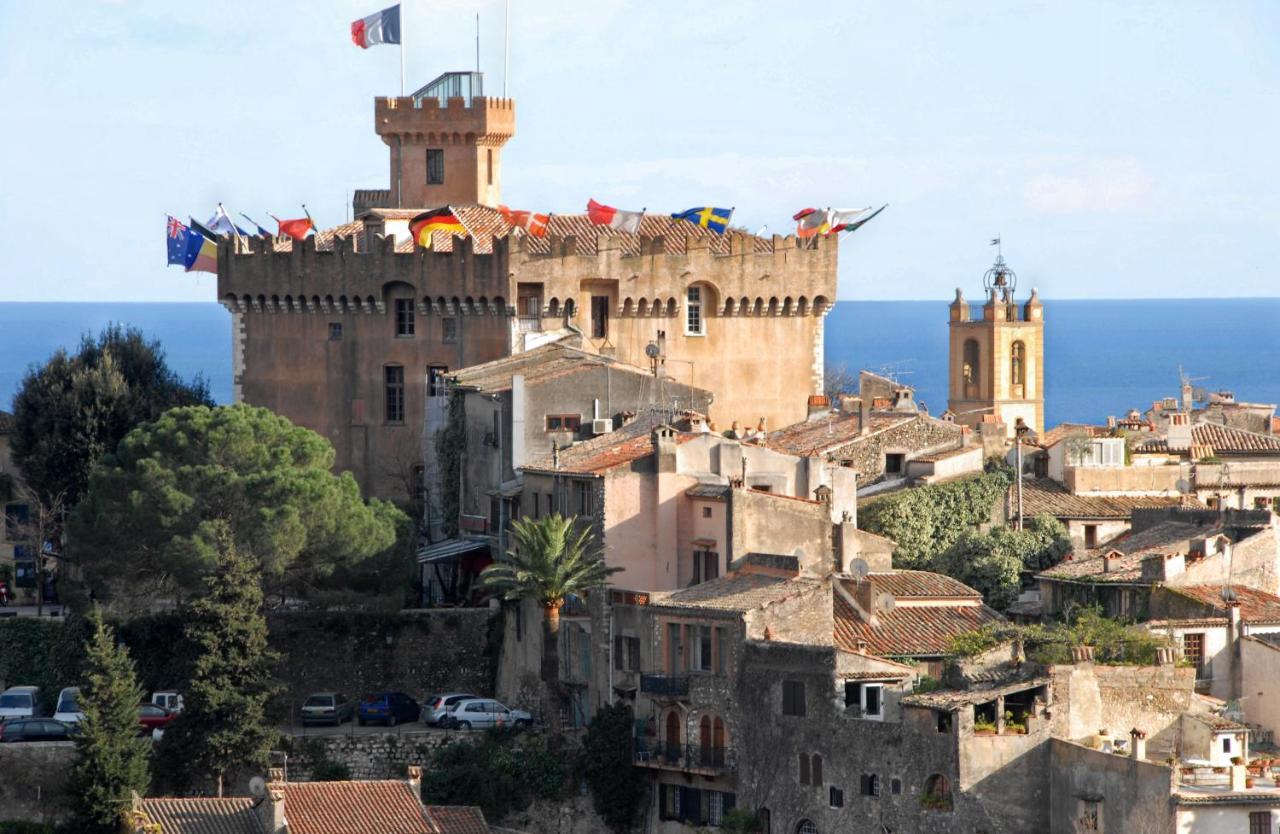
x=837 y=797
x=393 y=385
x=599 y=316
x=1017 y=363
x=793 y=698
x=869 y=784
x=435 y=380
x=335 y=331
x=804 y=768
x=806 y=827
x=435 y=166
x=449 y=330
x=404 y=318
x=693 y=312
x=490 y=159
x=937 y=793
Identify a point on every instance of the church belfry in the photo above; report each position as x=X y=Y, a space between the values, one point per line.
x=997 y=360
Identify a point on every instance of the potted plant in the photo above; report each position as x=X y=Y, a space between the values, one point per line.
x=1013 y=725
x=983 y=727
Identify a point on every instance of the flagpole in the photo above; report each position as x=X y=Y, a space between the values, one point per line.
x=506 y=49
x=477 y=42
x=402 y=50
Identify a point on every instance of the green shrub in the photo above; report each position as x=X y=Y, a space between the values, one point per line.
x=501 y=774
x=617 y=786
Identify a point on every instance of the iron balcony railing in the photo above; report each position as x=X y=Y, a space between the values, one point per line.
x=676 y=686
x=650 y=752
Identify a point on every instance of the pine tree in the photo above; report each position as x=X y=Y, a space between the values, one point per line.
x=113 y=758
x=223 y=725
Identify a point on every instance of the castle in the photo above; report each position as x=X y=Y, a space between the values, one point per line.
x=352 y=331
x=997 y=362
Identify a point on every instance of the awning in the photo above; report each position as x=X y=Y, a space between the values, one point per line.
x=449 y=549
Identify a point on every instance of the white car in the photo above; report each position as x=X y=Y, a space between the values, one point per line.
x=436 y=707
x=168 y=699
x=482 y=713
x=68 y=709
x=20 y=702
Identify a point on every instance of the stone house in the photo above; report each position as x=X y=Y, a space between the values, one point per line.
x=1091 y=520
x=1260 y=681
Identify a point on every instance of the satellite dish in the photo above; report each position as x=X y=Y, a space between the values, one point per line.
x=258 y=786
x=652 y=350
x=858 y=569
x=886 y=602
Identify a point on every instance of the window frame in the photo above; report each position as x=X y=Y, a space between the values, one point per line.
x=867 y=688
x=393 y=410
x=434 y=168
x=436 y=374
x=793 y=698
x=449 y=330
x=562 y=423
x=405 y=310
x=694 y=321
x=335 y=331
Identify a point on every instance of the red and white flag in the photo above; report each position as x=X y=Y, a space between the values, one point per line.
x=533 y=223
x=623 y=221
x=811 y=222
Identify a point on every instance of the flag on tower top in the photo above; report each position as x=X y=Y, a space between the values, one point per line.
x=425 y=225
x=533 y=223
x=383 y=27
x=708 y=217
x=624 y=221
x=296 y=229
x=190 y=249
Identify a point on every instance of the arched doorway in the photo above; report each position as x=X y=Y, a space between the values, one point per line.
x=672 y=738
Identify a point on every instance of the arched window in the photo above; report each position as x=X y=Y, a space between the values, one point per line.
x=937 y=793
x=693 y=312
x=1017 y=363
x=806 y=827
x=704 y=740
x=569 y=308
x=969 y=369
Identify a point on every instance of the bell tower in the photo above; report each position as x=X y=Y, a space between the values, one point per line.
x=446 y=142
x=997 y=361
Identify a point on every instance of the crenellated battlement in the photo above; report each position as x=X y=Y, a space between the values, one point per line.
x=485 y=121
x=780 y=276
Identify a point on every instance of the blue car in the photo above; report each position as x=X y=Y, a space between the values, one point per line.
x=389 y=708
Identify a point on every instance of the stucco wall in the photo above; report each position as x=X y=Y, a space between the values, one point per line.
x=1223 y=819
x=1133 y=796
x=1090 y=697
x=1260 y=663
x=768 y=523
x=1125 y=480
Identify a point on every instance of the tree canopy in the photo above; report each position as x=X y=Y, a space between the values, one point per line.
x=77 y=406
x=151 y=518
x=992 y=563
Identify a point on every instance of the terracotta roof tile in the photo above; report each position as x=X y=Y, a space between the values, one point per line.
x=457 y=819
x=1223 y=440
x=825 y=435
x=1062 y=431
x=373 y=807
x=1170 y=537
x=1255 y=606
x=909 y=631
x=1048 y=497
x=744 y=592
x=538 y=365
x=920 y=583
x=203 y=816
x=632 y=442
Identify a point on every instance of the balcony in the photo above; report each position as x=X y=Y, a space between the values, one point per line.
x=669 y=686
x=689 y=758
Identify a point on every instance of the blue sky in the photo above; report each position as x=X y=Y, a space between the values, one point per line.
x=1121 y=149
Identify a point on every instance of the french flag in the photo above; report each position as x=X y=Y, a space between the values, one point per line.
x=383 y=27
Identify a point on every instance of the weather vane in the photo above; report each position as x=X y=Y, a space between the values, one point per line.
x=999 y=276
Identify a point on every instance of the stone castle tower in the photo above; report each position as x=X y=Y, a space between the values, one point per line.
x=352 y=331
x=997 y=360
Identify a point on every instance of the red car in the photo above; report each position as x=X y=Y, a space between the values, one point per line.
x=152 y=717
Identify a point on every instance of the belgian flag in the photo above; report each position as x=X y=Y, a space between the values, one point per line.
x=437 y=220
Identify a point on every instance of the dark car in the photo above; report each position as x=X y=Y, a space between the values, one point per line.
x=327 y=708
x=152 y=717
x=388 y=707
x=35 y=729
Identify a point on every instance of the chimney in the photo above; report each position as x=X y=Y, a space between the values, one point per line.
x=555 y=455
x=819 y=405
x=1111 y=421
x=664 y=445
x=270 y=810
x=864 y=416
x=850 y=405
x=1082 y=654
x=1233 y=619
x=1138 y=745
x=1164 y=656
x=415 y=780
x=1179 y=431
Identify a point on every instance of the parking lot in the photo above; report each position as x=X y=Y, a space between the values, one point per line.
x=352 y=728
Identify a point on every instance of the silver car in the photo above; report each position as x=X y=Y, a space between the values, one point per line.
x=20 y=702
x=483 y=713
x=437 y=707
x=68 y=710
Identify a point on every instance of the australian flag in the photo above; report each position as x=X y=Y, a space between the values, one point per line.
x=178 y=241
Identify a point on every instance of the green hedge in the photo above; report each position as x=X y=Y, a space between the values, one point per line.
x=927 y=520
x=503 y=773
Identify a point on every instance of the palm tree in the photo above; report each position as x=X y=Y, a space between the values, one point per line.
x=551 y=558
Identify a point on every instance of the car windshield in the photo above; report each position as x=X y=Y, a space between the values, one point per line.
x=320 y=701
x=375 y=699
x=69 y=703
x=15 y=700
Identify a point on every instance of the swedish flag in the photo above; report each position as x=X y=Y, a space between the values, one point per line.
x=708 y=217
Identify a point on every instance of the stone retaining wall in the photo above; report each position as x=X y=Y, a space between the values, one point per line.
x=33 y=779
x=377 y=756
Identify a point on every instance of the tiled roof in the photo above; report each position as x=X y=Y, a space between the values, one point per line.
x=908 y=631
x=949 y=699
x=536 y=366
x=1062 y=431
x=715 y=492
x=1170 y=537
x=203 y=816
x=6 y=422
x=826 y=434
x=1218 y=723
x=372 y=807
x=457 y=819
x=934 y=457
x=920 y=583
x=744 y=592
x=1255 y=606
x=600 y=454
x=1223 y=440
x=1048 y=497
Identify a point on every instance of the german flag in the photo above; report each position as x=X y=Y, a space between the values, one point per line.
x=436 y=220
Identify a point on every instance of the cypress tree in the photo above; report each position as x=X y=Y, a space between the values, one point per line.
x=113 y=758
x=223 y=726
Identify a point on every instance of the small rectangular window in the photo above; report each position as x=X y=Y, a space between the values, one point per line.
x=722 y=649
x=449 y=330
x=435 y=166
x=1193 y=649
x=1260 y=822
x=582 y=498
x=564 y=422
x=404 y=318
x=706 y=512
x=870 y=784
x=335 y=331
x=873 y=700
x=793 y=698
x=836 y=797
x=489 y=152
x=893 y=463
x=436 y=385
x=852 y=694
x=1226 y=745
x=804 y=768
x=693 y=312
x=599 y=316
x=393 y=380
x=704 y=649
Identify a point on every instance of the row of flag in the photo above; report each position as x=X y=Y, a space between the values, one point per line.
x=194 y=247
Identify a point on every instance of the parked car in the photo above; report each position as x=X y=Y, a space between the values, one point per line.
x=68 y=708
x=437 y=706
x=388 y=707
x=152 y=718
x=481 y=713
x=327 y=708
x=35 y=729
x=167 y=698
x=20 y=702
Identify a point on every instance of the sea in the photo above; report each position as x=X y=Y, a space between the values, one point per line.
x=1101 y=357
